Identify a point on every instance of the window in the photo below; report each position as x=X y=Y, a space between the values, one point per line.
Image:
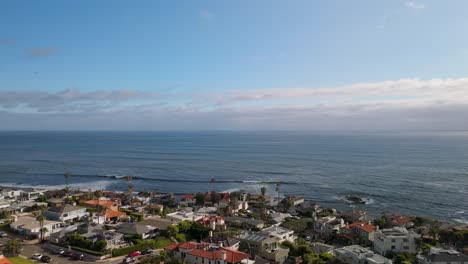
x=393 y=247
x=405 y=240
x=406 y=247
x=393 y=240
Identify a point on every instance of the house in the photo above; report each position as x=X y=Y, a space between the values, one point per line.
x=114 y=216
x=95 y=232
x=359 y=232
x=442 y=256
x=55 y=202
x=10 y=193
x=213 y=222
x=231 y=243
x=278 y=218
x=265 y=246
x=178 y=217
x=355 y=254
x=400 y=220
x=248 y=222
x=66 y=213
x=137 y=228
x=355 y=216
x=320 y=248
x=104 y=203
x=30 y=194
x=396 y=239
x=29 y=226
x=283 y=234
x=292 y=200
x=328 y=225
x=4 y=204
x=188 y=199
x=158 y=223
x=205 y=253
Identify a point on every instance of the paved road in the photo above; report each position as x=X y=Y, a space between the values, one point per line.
x=28 y=250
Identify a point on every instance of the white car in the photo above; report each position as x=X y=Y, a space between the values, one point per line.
x=3 y=234
x=37 y=256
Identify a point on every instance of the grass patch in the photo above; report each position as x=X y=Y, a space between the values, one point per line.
x=19 y=260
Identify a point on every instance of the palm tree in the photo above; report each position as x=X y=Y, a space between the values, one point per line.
x=41 y=219
x=277 y=189
x=12 y=247
x=98 y=194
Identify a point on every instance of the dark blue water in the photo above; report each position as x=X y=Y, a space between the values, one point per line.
x=413 y=173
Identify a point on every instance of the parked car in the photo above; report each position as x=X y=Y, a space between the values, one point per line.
x=128 y=260
x=134 y=254
x=45 y=259
x=147 y=251
x=68 y=254
x=77 y=256
x=3 y=234
x=37 y=256
x=59 y=251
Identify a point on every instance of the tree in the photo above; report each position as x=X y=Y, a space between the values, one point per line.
x=12 y=248
x=263 y=190
x=42 y=198
x=172 y=230
x=184 y=226
x=41 y=219
x=200 y=198
x=100 y=245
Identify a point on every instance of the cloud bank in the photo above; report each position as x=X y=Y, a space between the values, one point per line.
x=406 y=104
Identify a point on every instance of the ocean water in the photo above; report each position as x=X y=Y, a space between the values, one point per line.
x=411 y=173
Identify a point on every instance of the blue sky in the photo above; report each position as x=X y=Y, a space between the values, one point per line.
x=232 y=64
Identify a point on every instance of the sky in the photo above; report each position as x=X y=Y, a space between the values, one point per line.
x=234 y=65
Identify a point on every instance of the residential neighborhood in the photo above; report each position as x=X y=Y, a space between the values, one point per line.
x=215 y=228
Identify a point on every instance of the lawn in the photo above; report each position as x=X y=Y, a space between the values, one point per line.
x=18 y=260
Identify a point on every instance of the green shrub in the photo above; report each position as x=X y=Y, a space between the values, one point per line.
x=91 y=252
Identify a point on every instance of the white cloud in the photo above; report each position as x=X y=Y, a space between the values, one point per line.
x=415 y=5
x=387 y=105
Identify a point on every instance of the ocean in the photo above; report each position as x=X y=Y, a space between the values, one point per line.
x=414 y=173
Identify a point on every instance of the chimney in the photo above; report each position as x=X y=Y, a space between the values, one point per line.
x=211 y=233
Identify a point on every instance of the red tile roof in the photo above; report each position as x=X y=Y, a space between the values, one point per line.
x=4 y=260
x=369 y=228
x=232 y=256
x=188 y=197
x=171 y=247
x=188 y=245
x=104 y=203
x=112 y=213
x=401 y=220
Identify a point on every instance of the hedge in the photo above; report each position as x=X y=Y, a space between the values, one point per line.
x=128 y=250
x=158 y=243
x=91 y=252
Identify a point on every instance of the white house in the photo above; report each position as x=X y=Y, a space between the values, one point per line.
x=28 y=225
x=178 y=217
x=281 y=233
x=396 y=239
x=329 y=225
x=442 y=256
x=66 y=213
x=355 y=254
